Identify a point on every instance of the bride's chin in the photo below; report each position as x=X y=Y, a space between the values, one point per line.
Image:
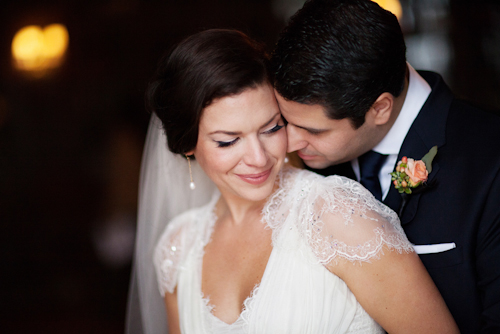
x=262 y=193
x=271 y=188
x=261 y=197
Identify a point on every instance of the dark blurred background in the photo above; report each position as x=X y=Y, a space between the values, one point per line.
x=71 y=137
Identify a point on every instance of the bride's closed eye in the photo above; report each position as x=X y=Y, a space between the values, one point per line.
x=276 y=128
x=226 y=143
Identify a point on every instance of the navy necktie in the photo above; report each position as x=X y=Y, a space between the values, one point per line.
x=369 y=167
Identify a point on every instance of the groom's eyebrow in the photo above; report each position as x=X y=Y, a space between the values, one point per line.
x=310 y=130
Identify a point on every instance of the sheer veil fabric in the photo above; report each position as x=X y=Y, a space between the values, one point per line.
x=163 y=194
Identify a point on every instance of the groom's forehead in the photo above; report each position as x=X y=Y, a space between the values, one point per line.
x=303 y=114
x=300 y=110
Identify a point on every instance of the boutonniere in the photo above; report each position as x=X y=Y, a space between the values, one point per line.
x=411 y=175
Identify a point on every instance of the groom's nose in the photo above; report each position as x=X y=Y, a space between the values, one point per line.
x=296 y=140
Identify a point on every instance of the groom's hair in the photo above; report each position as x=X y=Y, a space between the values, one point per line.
x=200 y=69
x=340 y=54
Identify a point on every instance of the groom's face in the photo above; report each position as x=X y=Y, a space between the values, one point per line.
x=320 y=141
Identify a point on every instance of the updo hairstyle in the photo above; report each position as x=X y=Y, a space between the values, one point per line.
x=205 y=66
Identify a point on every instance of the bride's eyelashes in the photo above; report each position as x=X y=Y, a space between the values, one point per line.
x=226 y=143
x=274 y=129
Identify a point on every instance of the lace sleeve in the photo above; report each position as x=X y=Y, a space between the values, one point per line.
x=342 y=219
x=172 y=249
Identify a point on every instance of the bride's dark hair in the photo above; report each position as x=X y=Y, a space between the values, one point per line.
x=206 y=66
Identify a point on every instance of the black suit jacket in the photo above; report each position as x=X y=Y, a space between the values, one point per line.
x=460 y=205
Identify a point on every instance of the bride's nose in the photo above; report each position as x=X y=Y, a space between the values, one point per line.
x=255 y=153
x=296 y=141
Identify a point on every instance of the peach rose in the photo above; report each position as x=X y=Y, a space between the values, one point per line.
x=417 y=171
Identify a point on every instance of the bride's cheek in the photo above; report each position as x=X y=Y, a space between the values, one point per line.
x=227 y=157
x=280 y=143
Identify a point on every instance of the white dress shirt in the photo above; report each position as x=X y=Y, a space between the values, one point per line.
x=418 y=92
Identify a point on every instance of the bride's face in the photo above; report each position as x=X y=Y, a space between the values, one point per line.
x=242 y=143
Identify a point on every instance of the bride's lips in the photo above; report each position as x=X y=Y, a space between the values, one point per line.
x=305 y=156
x=255 y=178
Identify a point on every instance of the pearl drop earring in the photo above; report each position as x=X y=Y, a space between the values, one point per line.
x=191 y=184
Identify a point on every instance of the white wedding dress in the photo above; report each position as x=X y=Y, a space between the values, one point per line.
x=314 y=221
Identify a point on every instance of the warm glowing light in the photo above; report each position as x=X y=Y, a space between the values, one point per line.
x=394 y=6
x=55 y=40
x=37 y=50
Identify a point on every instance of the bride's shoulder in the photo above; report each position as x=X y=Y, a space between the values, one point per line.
x=311 y=183
x=176 y=242
x=340 y=218
x=184 y=224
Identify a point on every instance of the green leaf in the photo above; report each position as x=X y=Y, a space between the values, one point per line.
x=415 y=185
x=408 y=191
x=427 y=159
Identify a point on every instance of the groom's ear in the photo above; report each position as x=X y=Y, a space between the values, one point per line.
x=382 y=109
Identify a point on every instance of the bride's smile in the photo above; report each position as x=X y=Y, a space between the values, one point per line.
x=256 y=178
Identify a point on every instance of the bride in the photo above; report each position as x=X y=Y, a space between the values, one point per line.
x=274 y=249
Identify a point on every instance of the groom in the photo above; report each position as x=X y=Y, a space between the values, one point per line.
x=354 y=107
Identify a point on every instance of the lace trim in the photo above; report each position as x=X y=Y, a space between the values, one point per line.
x=273 y=213
x=178 y=238
x=170 y=251
x=359 y=212
x=366 y=252
x=248 y=304
x=337 y=217
x=242 y=322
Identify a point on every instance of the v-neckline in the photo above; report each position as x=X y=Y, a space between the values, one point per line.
x=248 y=300
x=206 y=299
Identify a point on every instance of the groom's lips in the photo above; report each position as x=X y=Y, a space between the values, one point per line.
x=305 y=156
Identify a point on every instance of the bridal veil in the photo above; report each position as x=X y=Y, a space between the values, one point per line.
x=163 y=194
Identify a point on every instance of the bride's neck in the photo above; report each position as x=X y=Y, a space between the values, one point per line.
x=238 y=210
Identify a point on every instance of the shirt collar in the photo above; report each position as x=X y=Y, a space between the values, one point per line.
x=418 y=92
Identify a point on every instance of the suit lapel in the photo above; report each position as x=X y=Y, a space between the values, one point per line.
x=428 y=130
x=393 y=199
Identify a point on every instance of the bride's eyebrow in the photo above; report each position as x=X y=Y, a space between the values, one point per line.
x=269 y=122
x=229 y=133
x=232 y=133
